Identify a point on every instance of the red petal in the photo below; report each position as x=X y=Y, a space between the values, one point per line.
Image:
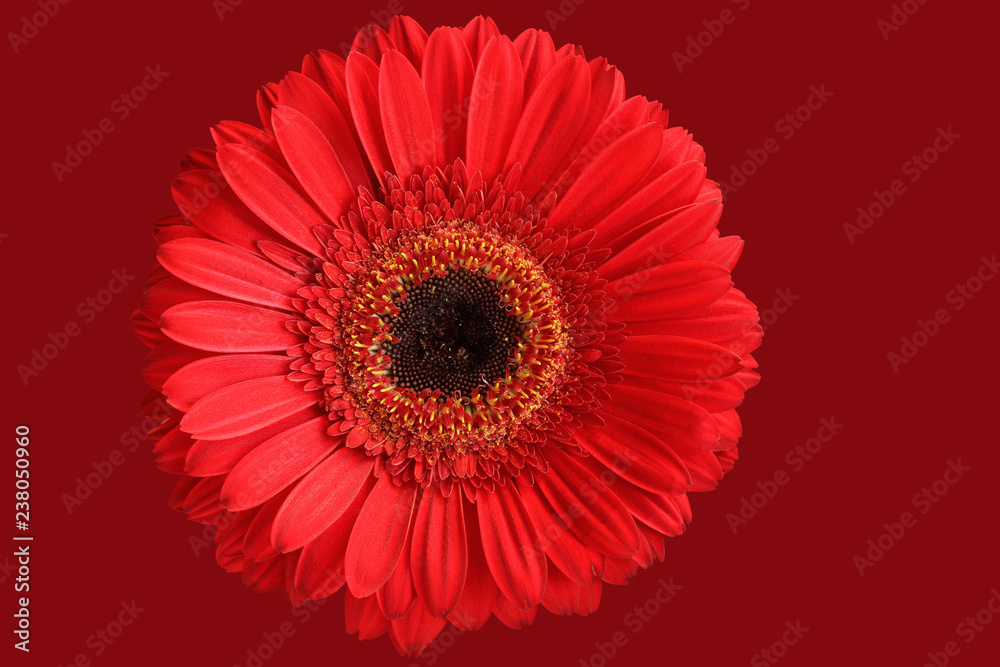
x=440 y=552
x=205 y=198
x=200 y=378
x=727 y=319
x=363 y=92
x=415 y=631
x=637 y=455
x=494 y=108
x=448 y=75
x=590 y=598
x=170 y=292
x=373 y=42
x=677 y=359
x=271 y=192
x=277 y=463
x=303 y=94
x=550 y=124
x=245 y=407
x=652 y=509
x=320 y=570
x=314 y=162
x=538 y=55
x=480 y=590
x=650 y=208
x=406 y=116
x=513 y=550
x=364 y=617
x=330 y=72
x=477 y=34
x=320 y=498
x=724 y=251
x=667 y=290
x=227 y=326
x=396 y=597
x=619 y=571
x=379 y=535
x=609 y=175
x=165 y=359
x=215 y=457
x=510 y=615
x=588 y=507
x=562 y=595
x=409 y=37
x=564 y=548
x=257 y=544
x=229 y=271
x=686 y=428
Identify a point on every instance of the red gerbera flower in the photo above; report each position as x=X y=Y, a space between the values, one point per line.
x=455 y=329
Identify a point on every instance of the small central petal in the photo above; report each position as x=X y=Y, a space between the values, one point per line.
x=455 y=335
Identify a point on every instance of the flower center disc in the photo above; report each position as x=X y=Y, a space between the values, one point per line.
x=455 y=335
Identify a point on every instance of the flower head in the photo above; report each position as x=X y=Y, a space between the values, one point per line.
x=456 y=329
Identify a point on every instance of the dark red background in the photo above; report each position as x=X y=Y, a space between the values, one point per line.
x=825 y=357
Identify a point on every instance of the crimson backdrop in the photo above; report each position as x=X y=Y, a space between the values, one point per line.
x=842 y=299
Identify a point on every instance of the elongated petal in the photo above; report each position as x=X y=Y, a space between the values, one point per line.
x=271 y=192
x=314 y=162
x=230 y=271
x=588 y=507
x=226 y=326
x=320 y=498
x=244 y=407
x=637 y=455
x=406 y=116
x=480 y=589
x=200 y=378
x=550 y=124
x=677 y=358
x=277 y=463
x=448 y=78
x=440 y=553
x=685 y=427
x=363 y=93
x=379 y=535
x=215 y=457
x=494 y=108
x=511 y=546
x=608 y=176
x=668 y=290
x=304 y=95
x=321 y=570
x=396 y=597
